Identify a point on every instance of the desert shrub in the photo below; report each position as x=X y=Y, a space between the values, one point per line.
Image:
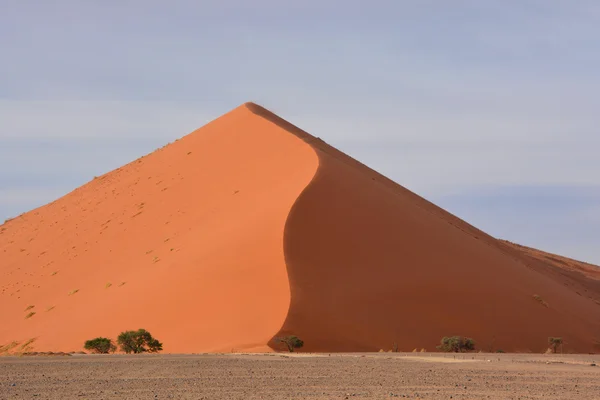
x=395 y=347
x=500 y=351
x=100 y=345
x=456 y=344
x=555 y=342
x=291 y=342
x=140 y=341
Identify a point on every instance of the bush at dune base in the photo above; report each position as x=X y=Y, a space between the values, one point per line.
x=140 y=341
x=291 y=342
x=456 y=344
x=100 y=345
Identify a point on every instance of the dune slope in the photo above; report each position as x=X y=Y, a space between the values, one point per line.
x=371 y=264
x=185 y=242
x=250 y=228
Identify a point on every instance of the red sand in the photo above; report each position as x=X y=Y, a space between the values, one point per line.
x=249 y=228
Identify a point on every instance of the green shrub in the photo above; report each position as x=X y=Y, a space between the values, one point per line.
x=291 y=342
x=500 y=351
x=140 y=341
x=456 y=344
x=100 y=345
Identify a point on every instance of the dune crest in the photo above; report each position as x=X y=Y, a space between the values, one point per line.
x=250 y=228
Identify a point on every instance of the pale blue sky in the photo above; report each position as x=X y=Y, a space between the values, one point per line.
x=489 y=109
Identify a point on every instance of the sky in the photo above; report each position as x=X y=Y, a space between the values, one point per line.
x=488 y=109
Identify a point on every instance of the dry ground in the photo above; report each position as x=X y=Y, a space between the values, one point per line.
x=279 y=376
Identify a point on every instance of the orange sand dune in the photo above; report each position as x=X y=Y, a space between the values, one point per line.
x=250 y=228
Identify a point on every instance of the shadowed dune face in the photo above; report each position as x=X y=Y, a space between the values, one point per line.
x=251 y=228
x=371 y=264
x=188 y=241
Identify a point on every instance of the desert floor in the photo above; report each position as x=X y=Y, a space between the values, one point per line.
x=302 y=376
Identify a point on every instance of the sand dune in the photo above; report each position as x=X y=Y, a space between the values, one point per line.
x=249 y=228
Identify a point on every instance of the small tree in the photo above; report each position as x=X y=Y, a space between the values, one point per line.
x=457 y=344
x=291 y=342
x=100 y=345
x=139 y=341
x=554 y=342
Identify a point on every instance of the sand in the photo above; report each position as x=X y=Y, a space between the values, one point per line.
x=250 y=228
x=352 y=376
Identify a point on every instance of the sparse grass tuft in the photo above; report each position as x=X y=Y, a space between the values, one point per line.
x=539 y=299
x=27 y=343
x=6 y=348
x=29 y=308
x=107 y=285
x=54 y=273
x=50 y=308
x=72 y=292
x=31 y=314
x=122 y=283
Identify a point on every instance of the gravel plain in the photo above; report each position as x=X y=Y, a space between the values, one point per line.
x=302 y=376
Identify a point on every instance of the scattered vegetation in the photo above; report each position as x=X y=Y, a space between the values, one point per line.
x=26 y=346
x=107 y=285
x=29 y=308
x=8 y=347
x=122 y=283
x=291 y=342
x=31 y=314
x=500 y=351
x=555 y=343
x=100 y=345
x=72 y=292
x=539 y=299
x=54 y=273
x=456 y=344
x=50 y=308
x=140 y=341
